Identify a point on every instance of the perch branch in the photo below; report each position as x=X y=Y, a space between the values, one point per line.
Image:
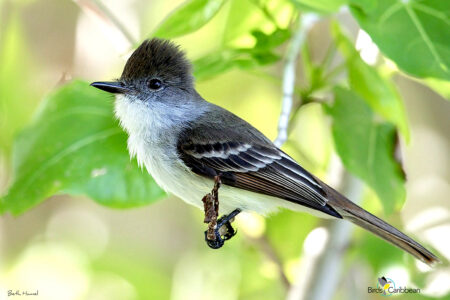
x=211 y=207
x=219 y=230
x=288 y=85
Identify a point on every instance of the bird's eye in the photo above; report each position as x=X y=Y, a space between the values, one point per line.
x=155 y=84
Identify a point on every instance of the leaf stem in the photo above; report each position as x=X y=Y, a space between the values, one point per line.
x=265 y=11
x=329 y=55
x=334 y=72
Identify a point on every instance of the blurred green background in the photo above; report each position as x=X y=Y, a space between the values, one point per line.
x=70 y=247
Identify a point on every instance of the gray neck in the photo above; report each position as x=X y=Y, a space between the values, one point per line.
x=156 y=123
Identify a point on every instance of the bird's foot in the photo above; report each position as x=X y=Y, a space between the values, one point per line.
x=223 y=231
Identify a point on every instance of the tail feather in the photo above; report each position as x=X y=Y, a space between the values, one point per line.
x=355 y=214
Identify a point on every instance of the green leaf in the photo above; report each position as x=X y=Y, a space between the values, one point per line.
x=75 y=146
x=368 y=5
x=365 y=80
x=270 y=41
x=189 y=17
x=366 y=147
x=440 y=86
x=247 y=16
x=414 y=34
x=242 y=17
x=320 y=6
x=213 y=64
x=265 y=57
x=221 y=61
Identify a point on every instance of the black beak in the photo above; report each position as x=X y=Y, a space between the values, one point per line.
x=111 y=87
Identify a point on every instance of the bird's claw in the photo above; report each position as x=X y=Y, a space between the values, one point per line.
x=220 y=235
x=214 y=244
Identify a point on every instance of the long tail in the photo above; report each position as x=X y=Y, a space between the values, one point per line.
x=355 y=214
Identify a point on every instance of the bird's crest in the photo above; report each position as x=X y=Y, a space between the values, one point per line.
x=161 y=58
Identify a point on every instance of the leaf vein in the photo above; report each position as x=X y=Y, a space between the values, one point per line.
x=68 y=150
x=425 y=36
x=431 y=11
x=389 y=12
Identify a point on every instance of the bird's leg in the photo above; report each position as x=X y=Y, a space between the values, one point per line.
x=221 y=227
x=211 y=207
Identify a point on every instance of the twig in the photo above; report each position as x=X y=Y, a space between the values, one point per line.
x=102 y=12
x=323 y=270
x=211 y=207
x=288 y=86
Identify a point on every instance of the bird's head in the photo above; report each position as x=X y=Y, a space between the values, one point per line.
x=156 y=70
x=155 y=89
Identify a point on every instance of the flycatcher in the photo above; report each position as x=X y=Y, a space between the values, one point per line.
x=185 y=142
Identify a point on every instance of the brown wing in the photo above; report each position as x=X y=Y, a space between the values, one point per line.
x=258 y=168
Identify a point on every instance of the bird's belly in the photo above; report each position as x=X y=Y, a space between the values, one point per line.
x=171 y=175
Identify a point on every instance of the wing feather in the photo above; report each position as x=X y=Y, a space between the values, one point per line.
x=257 y=168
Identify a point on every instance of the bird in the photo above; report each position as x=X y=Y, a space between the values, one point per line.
x=384 y=284
x=185 y=142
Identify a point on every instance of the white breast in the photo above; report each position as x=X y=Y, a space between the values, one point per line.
x=152 y=133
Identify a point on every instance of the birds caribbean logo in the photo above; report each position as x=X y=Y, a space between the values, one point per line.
x=384 y=284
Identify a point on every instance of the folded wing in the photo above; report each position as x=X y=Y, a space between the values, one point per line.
x=255 y=167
